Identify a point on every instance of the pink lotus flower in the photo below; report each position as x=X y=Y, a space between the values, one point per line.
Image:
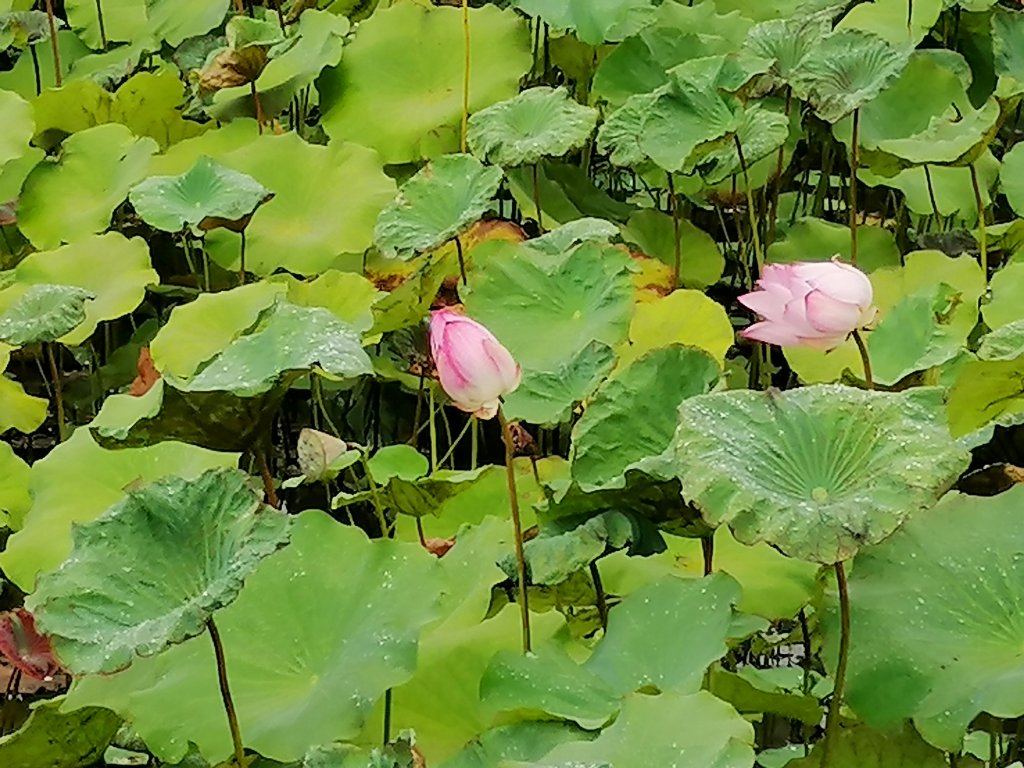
x=814 y=304
x=474 y=368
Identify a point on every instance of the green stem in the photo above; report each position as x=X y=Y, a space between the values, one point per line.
x=854 y=152
x=58 y=78
x=433 y=432
x=241 y=260
x=773 y=213
x=673 y=204
x=865 y=359
x=465 y=86
x=225 y=693
x=707 y=546
x=751 y=210
x=462 y=261
x=982 y=232
x=836 y=704
x=58 y=391
x=103 y=28
x=931 y=197
x=536 y=198
x=517 y=527
x=474 y=443
x=378 y=507
x=602 y=600
x=455 y=443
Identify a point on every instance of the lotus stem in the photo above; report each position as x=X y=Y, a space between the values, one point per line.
x=258 y=106
x=536 y=198
x=707 y=547
x=58 y=390
x=103 y=28
x=268 y=479
x=517 y=527
x=465 y=81
x=35 y=67
x=386 y=528
x=932 y=198
x=241 y=260
x=280 y=13
x=865 y=359
x=910 y=15
x=836 y=704
x=474 y=443
x=388 y=700
x=982 y=232
x=602 y=600
x=433 y=432
x=673 y=205
x=225 y=693
x=751 y=209
x=854 y=144
x=58 y=78
x=462 y=261
x=780 y=160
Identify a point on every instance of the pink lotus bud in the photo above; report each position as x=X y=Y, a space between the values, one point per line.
x=474 y=368
x=814 y=304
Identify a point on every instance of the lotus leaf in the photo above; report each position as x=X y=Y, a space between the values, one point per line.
x=653 y=233
x=593 y=21
x=894 y=20
x=77 y=482
x=1007 y=34
x=525 y=740
x=788 y=42
x=207 y=196
x=683 y=317
x=1007 y=289
x=57 y=740
x=382 y=594
x=539 y=122
x=955 y=571
x=632 y=418
x=69 y=199
x=14 y=498
x=17 y=128
x=860 y=746
x=843 y=467
x=382 y=96
x=43 y=313
x=18 y=410
x=152 y=570
x=438 y=203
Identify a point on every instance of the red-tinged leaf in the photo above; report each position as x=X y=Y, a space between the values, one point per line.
x=438 y=547
x=147 y=376
x=24 y=647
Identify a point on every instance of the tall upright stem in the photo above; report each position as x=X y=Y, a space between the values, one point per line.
x=517 y=527
x=58 y=78
x=241 y=260
x=773 y=213
x=225 y=692
x=707 y=548
x=58 y=391
x=931 y=196
x=865 y=359
x=982 y=232
x=268 y=479
x=602 y=599
x=751 y=209
x=854 y=144
x=536 y=198
x=673 y=204
x=465 y=76
x=462 y=261
x=103 y=28
x=836 y=704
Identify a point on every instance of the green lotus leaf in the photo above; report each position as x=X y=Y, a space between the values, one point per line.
x=632 y=418
x=288 y=338
x=383 y=97
x=71 y=198
x=437 y=204
x=841 y=468
x=1007 y=290
x=206 y=196
x=113 y=269
x=950 y=187
x=382 y=594
x=152 y=570
x=1004 y=343
x=1007 y=36
x=17 y=129
x=524 y=740
x=306 y=226
x=22 y=77
x=549 y=311
x=123 y=20
x=954 y=139
x=567 y=194
x=573 y=233
x=173 y=21
x=245 y=31
x=52 y=738
x=860 y=746
x=986 y=391
x=683 y=317
x=593 y=21
x=695 y=729
x=18 y=410
x=539 y=122
x=199 y=330
x=548 y=397
x=918 y=580
x=620 y=133
x=846 y=70
x=349 y=296
x=401 y=461
x=702 y=262
x=760 y=131
x=788 y=42
x=813 y=239
x=43 y=313
x=752 y=690
x=14 y=498
x=76 y=482
x=147 y=103
x=1011 y=178
x=889 y=19
x=317 y=44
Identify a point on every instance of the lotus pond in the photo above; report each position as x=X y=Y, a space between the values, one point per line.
x=511 y=383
